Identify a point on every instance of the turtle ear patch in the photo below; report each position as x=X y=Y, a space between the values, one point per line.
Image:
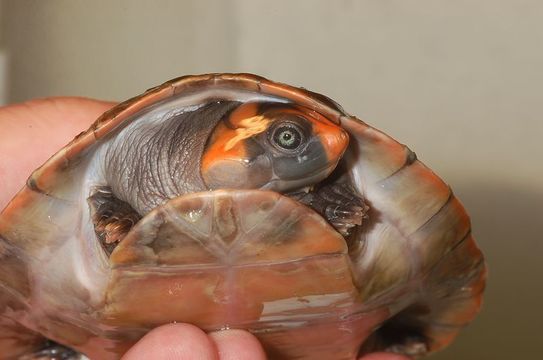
x=112 y=218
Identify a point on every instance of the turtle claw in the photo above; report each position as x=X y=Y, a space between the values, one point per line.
x=341 y=194
x=413 y=346
x=339 y=204
x=112 y=217
x=345 y=217
x=345 y=208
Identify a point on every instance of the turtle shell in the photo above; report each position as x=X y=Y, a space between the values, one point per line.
x=407 y=280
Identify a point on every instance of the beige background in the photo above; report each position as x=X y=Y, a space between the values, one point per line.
x=459 y=81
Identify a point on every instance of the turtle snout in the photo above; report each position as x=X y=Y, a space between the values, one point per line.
x=334 y=143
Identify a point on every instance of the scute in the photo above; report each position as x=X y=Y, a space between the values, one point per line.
x=232 y=228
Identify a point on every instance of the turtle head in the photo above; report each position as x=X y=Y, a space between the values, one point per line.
x=281 y=147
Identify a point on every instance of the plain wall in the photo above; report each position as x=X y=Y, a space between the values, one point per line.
x=459 y=81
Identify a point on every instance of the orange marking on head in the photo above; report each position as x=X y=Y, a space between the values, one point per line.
x=226 y=142
x=217 y=148
x=243 y=112
x=247 y=128
x=243 y=123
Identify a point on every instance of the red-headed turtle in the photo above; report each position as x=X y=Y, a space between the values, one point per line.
x=230 y=201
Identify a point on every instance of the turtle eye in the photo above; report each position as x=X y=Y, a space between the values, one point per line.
x=287 y=137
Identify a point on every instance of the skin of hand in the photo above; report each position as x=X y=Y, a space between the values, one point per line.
x=33 y=131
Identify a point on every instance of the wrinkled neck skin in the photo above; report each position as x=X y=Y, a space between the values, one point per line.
x=156 y=159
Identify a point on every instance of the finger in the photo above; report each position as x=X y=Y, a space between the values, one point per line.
x=33 y=131
x=384 y=356
x=174 y=342
x=237 y=345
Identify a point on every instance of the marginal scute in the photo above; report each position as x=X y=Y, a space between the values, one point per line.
x=117 y=115
x=384 y=264
x=412 y=190
x=438 y=236
x=43 y=217
x=367 y=151
x=15 y=284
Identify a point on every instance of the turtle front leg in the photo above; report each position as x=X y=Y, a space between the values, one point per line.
x=112 y=217
x=338 y=203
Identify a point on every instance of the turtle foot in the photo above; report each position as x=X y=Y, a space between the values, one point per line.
x=112 y=218
x=339 y=204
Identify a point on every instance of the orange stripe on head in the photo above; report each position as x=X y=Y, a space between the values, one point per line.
x=223 y=144
x=242 y=112
x=217 y=149
x=247 y=122
x=226 y=142
x=248 y=128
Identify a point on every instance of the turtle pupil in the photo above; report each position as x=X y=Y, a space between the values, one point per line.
x=287 y=137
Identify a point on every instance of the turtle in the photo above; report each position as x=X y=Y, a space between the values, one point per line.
x=232 y=201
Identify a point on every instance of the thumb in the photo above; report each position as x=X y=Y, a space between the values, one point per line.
x=185 y=341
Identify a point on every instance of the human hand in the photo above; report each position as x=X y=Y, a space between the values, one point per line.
x=184 y=342
x=30 y=133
